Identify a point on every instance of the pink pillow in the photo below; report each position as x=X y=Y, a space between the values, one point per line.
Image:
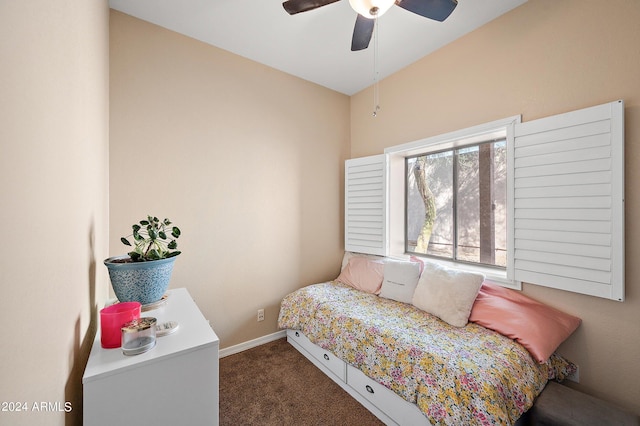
x=536 y=326
x=363 y=274
x=419 y=261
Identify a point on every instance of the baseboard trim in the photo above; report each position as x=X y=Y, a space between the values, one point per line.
x=252 y=343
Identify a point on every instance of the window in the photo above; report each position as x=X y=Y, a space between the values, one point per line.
x=472 y=229
x=455 y=204
x=558 y=209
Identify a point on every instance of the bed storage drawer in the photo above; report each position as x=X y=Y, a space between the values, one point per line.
x=324 y=357
x=401 y=411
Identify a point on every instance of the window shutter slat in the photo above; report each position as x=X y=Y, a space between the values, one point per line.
x=591 y=141
x=565 y=248
x=564 y=214
x=564 y=282
x=565 y=128
x=366 y=205
x=568 y=204
x=603 y=227
x=572 y=179
x=564 y=237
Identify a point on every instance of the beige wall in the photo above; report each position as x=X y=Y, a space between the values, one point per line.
x=543 y=58
x=54 y=196
x=250 y=164
x=246 y=160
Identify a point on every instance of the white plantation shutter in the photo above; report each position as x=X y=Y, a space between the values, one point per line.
x=568 y=201
x=366 y=205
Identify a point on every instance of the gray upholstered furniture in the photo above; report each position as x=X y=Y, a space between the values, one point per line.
x=559 y=405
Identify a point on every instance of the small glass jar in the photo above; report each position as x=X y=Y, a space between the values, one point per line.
x=138 y=336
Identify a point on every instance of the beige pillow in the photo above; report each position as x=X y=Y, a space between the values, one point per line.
x=447 y=293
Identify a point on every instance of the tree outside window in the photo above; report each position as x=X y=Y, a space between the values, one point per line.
x=456 y=204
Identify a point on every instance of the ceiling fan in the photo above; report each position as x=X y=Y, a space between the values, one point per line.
x=368 y=10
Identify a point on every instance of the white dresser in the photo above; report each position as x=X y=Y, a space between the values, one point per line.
x=175 y=383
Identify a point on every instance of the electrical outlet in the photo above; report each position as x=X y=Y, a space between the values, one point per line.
x=575 y=377
x=260 y=315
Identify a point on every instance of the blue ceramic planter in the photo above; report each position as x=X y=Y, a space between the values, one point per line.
x=144 y=282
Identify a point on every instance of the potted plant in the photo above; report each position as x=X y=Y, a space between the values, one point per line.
x=143 y=274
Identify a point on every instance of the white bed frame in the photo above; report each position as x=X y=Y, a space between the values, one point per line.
x=382 y=402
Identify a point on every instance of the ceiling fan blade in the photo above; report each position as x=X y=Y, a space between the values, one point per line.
x=438 y=10
x=362 y=33
x=296 y=6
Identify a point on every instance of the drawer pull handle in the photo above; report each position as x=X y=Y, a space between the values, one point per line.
x=369 y=389
x=326 y=357
x=297 y=334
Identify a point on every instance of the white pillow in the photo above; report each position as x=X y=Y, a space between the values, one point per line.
x=446 y=293
x=400 y=280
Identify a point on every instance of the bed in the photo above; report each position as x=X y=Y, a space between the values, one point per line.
x=450 y=375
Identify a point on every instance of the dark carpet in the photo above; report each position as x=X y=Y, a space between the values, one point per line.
x=273 y=384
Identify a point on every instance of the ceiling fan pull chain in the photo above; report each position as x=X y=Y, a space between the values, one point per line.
x=376 y=88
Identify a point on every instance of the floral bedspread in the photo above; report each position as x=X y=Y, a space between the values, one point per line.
x=469 y=375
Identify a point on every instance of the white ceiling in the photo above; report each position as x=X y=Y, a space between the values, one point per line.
x=314 y=45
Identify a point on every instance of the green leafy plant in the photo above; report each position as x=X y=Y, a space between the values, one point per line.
x=151 y=240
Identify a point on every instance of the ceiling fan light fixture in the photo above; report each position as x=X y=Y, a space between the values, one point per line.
x=371 y=8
